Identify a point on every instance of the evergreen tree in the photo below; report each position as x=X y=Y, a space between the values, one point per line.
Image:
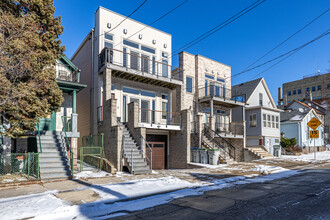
x=29 y=48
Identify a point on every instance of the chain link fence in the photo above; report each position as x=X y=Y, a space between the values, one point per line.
x=19 y=165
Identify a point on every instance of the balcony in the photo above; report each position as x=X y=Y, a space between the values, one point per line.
x=220 y=95
x=233 y=129
x=159 y=119
x=139 y=67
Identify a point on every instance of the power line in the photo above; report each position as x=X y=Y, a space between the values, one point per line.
x=295 y=51
x=124 y=19
x=284 y=41
x=161 y=17
x=220 y=26
x=158 y=19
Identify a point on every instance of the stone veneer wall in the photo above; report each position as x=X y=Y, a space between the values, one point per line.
x=179 y=143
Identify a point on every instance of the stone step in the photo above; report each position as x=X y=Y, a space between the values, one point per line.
x=54 y=169
x=55 y=175
x=138 y=164
x=52 y=154
x=136 y=160
x=134 y=156
x=51 y=159
x=53 y=164
x=142 y=172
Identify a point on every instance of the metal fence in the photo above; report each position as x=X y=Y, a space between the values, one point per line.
x=25 y=164
x=92 y=151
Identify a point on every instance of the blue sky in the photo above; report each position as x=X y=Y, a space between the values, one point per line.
x=237 y=45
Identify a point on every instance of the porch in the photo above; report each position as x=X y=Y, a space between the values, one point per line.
x=140 y=68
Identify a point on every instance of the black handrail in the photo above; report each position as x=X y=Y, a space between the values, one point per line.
x=224 y=140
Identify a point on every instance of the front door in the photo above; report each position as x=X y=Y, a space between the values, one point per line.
x=158 y=155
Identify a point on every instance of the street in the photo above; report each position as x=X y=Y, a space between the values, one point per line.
x=303 y=196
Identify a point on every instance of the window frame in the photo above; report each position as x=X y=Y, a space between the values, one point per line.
x=189 y=89
x=253 y=120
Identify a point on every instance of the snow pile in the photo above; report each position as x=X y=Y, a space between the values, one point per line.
x=209 y=166
x=265 y=170
x=91 y=174
x=320 y=156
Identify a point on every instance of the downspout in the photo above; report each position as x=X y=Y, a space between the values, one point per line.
x=91 y=90
x=299 y=134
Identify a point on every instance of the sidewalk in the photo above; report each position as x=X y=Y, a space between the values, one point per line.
x=96 y=190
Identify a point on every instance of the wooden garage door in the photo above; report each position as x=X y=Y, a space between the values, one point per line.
x=158 y=155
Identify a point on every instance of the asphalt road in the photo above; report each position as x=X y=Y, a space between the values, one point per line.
x=303 y=196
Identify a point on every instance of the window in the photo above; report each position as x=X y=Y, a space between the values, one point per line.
x=307 y=89
x=209 y=77
x=107 y=44
x=108 y=36
x=328 y=86
x=125 y=57
x=146 y=93
x=273 y=121
x=134 y=60
x=206 y=87
x=188 y=84
x=313 y=88
x=220 y=80
x=147 y=49
x=294 y=92
x=253 y=120
x=164 y=96
x=260 y=99
x=131 y=44
x=277 y=140
x=319 y=87
x=164 y=110
x=277 y=122
x=264 y=119
x=144 y=63
x=299 y=91
x=164 y=54
x=289 y=93
x=130 y=90
x=268 y=121
x=165 y=68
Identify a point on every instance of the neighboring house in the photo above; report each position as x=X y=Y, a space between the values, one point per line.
x=50 y=141
x=294 y=125
x=262 y=116
x=207 y=92
x=321 y=112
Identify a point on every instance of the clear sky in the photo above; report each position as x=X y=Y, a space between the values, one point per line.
x=237 y=45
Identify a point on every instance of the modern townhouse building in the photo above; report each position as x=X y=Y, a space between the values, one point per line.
x=130 y=94
x=262 y=120
x=207 y=93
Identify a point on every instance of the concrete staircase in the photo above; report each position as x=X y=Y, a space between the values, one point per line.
x=259 y=152
x=133 y=155
x=53 y=161
x=207 y=142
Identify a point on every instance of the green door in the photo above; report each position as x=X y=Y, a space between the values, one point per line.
x=48 y=124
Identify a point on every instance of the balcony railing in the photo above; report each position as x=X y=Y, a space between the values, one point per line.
x=140 y=63
x=68 y=76
x=221 y=92
x=233 y=128
x=159 y=117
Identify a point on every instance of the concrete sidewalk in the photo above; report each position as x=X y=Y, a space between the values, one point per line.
x=75 y=192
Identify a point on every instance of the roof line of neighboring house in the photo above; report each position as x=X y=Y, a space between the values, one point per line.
x=263 y=107
x=81 y=45
x=306 y=105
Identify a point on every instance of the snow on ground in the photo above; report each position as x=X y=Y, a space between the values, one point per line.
x=47 y=206
x=320 y=156
x=209 y=166
x=91 y=174
x=265 y=170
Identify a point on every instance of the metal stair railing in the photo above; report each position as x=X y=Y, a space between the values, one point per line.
x=225 y=144
x=68 y=143
x=145 y=153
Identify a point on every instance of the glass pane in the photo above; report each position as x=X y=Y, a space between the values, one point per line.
x=131 y=44
x=148 y=49
x=108 y=36
x=165 y=68
x=188 y=84
x=124 y=108
x=125 y=57
x=144 y=63
x=144 y=111
x=134 y=60
x=164 y=110
x=130 y=90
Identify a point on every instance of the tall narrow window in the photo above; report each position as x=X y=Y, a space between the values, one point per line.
x=153 y=112
x=253 y=120
x=134 y=60
x=277 y=122
x=144 y=111
x=264 y=120
x=144 y=63
x=154 y=65
x=125 y=57
x=124 y=108
x=206 y=87
x=165 y=68
x=260 y=99
x=273 y=121
x=269 y=123
x=188 y=84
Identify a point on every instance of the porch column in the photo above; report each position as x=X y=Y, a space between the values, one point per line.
x=74 y=101
x=106 y=85
x=211 y=108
